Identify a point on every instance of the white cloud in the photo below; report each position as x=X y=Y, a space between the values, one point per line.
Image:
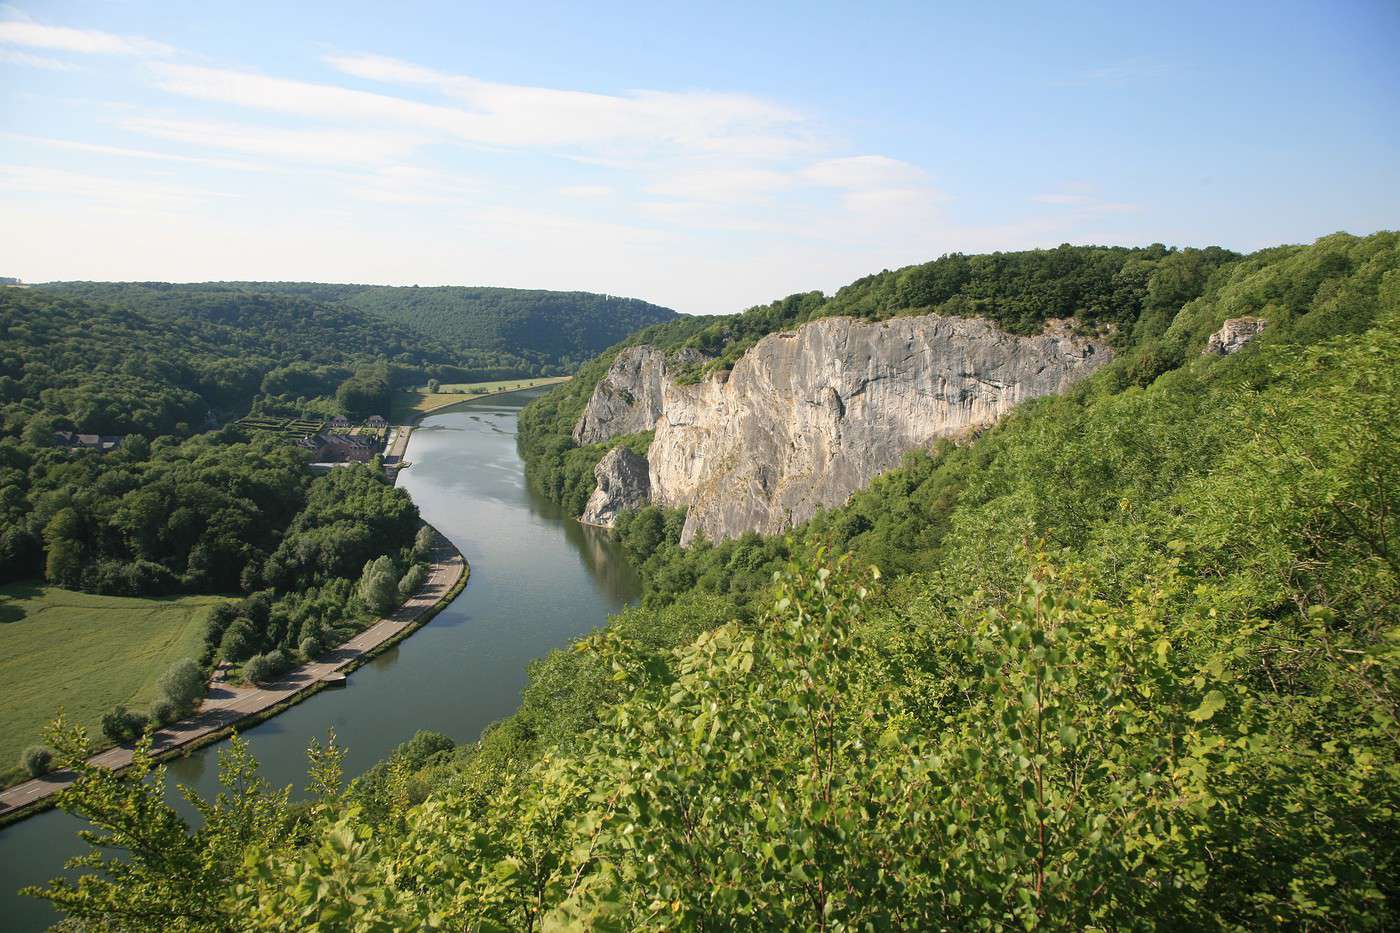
x=127 y=152
x=84 y=41
x=108 y=191
x=1083 y=198
x=721 y=184
x=591 y=192
x=867 y=171
x=11 y=57
x=407 y=184
x=332 y=146
x=513 y=114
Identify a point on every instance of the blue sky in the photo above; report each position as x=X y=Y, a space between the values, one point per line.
x=705 y=156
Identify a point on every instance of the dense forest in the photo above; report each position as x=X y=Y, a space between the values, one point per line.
x=1128 y=658
x=497 y=333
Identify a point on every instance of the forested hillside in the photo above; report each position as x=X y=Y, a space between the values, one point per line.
x=1130 y=658
x=1126 y=294
x=497 y=332
x=555 y=331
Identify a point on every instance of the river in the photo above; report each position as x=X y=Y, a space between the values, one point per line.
x=538 y=579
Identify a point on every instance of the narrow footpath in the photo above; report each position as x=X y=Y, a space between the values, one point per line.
x=228 y=704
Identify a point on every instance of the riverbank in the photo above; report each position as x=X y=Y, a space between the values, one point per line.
x=402 y=411
x=230 y=707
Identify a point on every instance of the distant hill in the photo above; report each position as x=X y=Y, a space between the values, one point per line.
x=515 y=331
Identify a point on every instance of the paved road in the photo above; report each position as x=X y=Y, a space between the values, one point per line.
x=226 y=704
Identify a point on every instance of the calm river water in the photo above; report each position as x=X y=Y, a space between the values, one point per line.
x=538 y=579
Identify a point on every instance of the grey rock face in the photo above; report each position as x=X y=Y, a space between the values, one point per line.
x=1234 y=334
x=628 y=398
x=808 y=417
x=623 y=483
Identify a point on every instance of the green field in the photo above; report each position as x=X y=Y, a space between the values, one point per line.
x=420 y=401
x=85 y=653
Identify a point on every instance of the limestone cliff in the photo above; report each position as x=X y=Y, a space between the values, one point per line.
x=808 y=417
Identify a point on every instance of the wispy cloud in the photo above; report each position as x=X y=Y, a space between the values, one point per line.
x=865 y=171
x=408 y=184
x=1083 y=198
x=104 y=190
x=523 y=115
x=127 y=152
x=589 y=192
x=321 y=144
x=28 y=60
x=82 y=41
x=502 y=115
x=722 y=184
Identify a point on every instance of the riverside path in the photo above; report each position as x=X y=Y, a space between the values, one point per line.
x=228 y=704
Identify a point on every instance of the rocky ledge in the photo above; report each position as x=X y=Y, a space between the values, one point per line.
x=1234 y=334
x=623 y=484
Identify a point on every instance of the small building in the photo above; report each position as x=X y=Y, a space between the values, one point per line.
x=376 y=421
x=10 y=280
x=340 y=421
x=354 y=448
x=102 y=443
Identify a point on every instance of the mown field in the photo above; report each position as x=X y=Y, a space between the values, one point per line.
x=420 y=401
x=85 y=653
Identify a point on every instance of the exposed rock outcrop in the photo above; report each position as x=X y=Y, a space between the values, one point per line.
x=623 y=483
x=807 y=417
x=629 y=397
x=1233 y=334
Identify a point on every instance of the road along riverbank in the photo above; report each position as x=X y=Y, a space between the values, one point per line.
x=229 y=706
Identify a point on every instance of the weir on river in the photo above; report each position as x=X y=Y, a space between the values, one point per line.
x=538 y=580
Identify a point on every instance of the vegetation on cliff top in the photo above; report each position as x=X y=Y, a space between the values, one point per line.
x=1135 y=655
x=1129 y=294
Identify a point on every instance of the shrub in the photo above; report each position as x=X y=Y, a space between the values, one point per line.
x=311 y=647
x=423 y=543
x=261 y=668
x=412 y=581
x=122 y=725
x=164 y=711
x=378 y=588
x=37 y=760
x=183 y=684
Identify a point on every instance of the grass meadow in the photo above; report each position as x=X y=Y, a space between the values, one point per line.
x=84 y=653
x=420 y=401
